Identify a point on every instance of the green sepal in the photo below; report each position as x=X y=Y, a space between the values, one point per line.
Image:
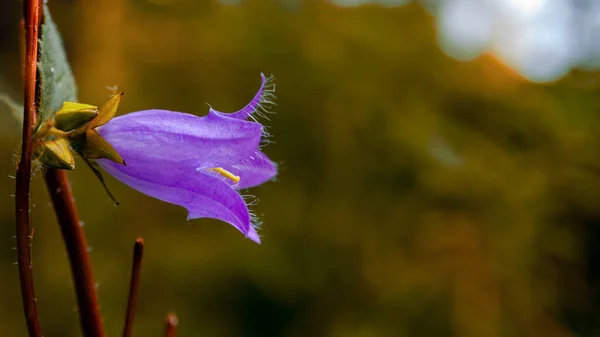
x=96 y=147
x=56 y=154
x=107 y=111
x=74 y=115
x=101 y=178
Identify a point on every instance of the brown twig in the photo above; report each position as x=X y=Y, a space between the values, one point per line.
x=77 y=249
x=134 y=286
x=31 y=10
x=172 y=322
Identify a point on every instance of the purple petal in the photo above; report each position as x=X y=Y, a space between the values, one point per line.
x=204 y=196
x=253 y=171
x=262 y=96
x=175 y=137
x=253 y=235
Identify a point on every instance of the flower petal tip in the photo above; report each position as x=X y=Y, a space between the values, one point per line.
x=259 y=103
x=253 y=235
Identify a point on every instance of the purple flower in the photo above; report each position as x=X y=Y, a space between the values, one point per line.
x=198 y=163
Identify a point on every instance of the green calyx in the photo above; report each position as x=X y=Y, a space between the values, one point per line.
x=56 y=154
x=73 y=128
x=64 y=127
x=74 y=115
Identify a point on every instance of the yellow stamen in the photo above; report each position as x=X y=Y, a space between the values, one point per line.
x=227 y=174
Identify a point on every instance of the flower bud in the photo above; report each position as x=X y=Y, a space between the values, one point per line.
x=74 y=115
x=56 y=154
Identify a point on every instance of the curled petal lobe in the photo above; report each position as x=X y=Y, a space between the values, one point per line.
x=253 y=235
x=263 y=96
x=204 y=196
x=168 y=136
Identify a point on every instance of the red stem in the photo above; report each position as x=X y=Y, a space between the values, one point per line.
x=134 y=286
x=77 y=249
x=31 y=9
x=172 y=322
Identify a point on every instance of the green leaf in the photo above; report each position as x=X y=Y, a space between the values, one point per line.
x=57 y=83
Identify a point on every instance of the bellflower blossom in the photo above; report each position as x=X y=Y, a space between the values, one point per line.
x=199 y=163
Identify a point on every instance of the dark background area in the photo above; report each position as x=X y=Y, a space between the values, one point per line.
x=417 y=195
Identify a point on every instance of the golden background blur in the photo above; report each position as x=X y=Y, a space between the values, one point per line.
x=417 y=195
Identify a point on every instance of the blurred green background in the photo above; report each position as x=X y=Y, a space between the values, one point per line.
x=417 y=195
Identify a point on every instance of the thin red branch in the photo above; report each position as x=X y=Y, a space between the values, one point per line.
x=134 y=286
x=77 y=249
x=31 y=10
x=171 y=329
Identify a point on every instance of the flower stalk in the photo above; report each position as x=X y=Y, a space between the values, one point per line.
x=77 y=250
x=52 y=152
x=171 y=325
x=134 y=286
x=31 y=10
